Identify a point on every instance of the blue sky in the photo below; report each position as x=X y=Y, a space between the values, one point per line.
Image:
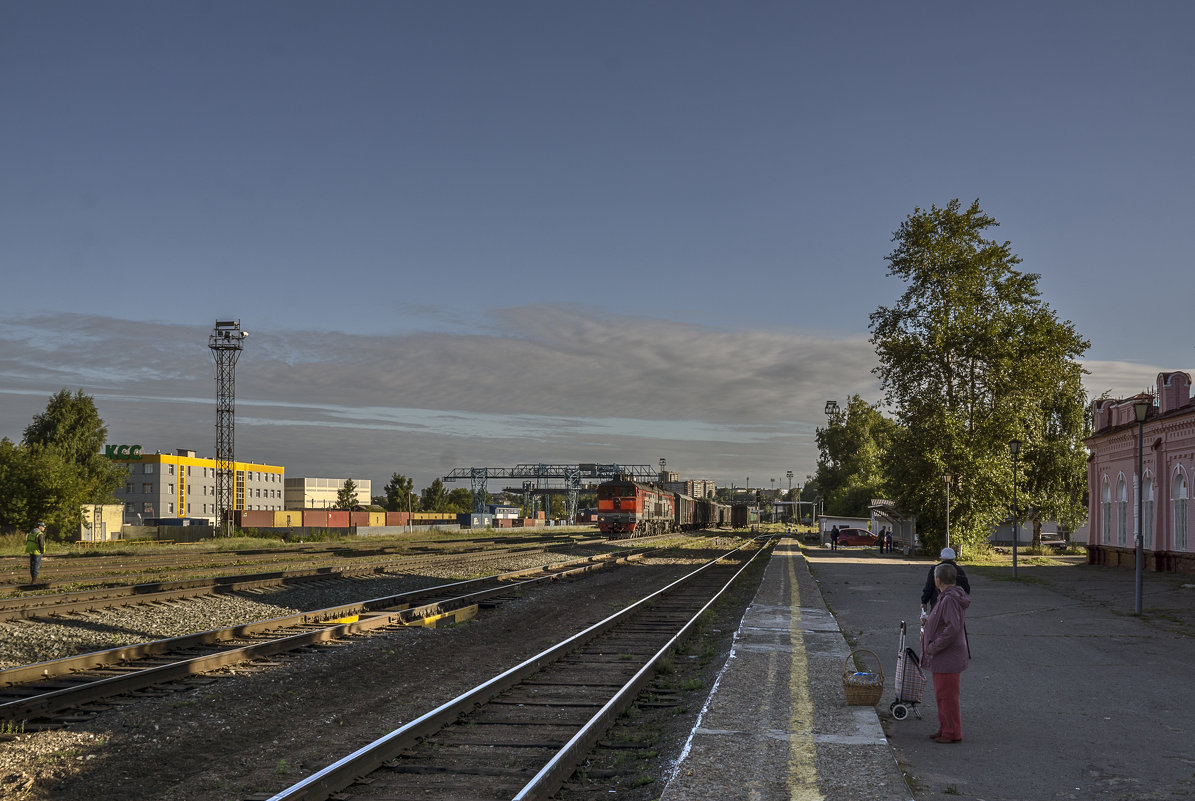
x=481 y=234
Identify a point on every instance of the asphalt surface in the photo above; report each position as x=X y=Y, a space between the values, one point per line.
x=1069 y=695
x=776 y=726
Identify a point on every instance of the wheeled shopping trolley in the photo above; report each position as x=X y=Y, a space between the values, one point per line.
x=910 y=681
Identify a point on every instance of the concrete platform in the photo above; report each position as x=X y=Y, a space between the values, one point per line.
x=776 y=724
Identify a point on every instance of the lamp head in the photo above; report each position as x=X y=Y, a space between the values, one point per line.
x=1015 y=446
x=1141 y=409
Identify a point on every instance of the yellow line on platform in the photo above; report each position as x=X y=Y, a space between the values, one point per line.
x=802 y=753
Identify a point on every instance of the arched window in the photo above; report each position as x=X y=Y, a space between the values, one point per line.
x=1106 y=513
x=1179 y=499
x=1122 y=511
x=1147 y=511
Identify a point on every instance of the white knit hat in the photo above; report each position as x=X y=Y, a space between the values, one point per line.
x=947 y=553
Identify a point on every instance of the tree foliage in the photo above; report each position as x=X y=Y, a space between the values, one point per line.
x=71 y=427
x=460 y=501
x=435 y=497
x=346 y=497
x=37 y=483
x=58 y=467
x=971 y=357
x=398 y=494
x=852 y=450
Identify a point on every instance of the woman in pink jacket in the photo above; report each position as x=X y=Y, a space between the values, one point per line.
x=944 y=651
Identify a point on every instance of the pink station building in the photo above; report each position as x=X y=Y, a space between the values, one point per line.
x=1168 y=469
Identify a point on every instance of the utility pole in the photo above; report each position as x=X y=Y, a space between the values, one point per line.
x=226 y=343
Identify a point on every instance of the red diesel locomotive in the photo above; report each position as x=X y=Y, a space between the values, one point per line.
x=631 y=509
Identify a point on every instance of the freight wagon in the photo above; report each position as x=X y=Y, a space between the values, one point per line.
x=632 y=508
x=744 y=516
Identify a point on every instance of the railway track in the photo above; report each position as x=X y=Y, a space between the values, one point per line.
x=94 y=570
x=62 y=603
x=48 y=694
x=521 y=734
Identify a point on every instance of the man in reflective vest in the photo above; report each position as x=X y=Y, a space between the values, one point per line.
x=35 y=546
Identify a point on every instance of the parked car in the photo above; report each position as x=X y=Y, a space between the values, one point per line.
x=855 y=536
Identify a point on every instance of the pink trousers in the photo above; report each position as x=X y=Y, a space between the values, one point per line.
x=950 y=716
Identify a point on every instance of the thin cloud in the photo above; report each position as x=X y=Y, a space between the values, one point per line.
x=527 y=385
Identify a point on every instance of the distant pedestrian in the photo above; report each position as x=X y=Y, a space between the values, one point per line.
x=929 y=593
x=35 y=546
x=834 y=538
x=945 y=651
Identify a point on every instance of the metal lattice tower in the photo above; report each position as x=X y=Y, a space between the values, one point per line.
x=226 y=343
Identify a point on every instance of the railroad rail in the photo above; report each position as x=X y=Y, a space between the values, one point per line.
x=520 y=734
x=51 y=604
x=35 y=693
x=96 y=570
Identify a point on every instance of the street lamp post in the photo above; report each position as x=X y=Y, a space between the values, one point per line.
x=1140 y=409
x=948 y=477
x=789 y=475
x=1015 y=447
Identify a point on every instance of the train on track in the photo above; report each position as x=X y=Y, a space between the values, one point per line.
x=629 y=508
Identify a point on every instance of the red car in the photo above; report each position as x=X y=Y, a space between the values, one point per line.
x=855 y=536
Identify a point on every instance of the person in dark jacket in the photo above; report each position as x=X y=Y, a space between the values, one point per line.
x=35 y=546
x=929 y=593
x=834 y=539
x=944 y=651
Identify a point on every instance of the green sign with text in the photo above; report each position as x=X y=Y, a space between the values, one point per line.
x=122 y=451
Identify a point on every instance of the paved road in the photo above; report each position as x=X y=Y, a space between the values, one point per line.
x=1069 y=695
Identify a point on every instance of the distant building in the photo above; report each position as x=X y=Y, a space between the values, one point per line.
x=321 y=493
x=1164 y=489
x=694 y=488
x=101 y=522
x=180 y=484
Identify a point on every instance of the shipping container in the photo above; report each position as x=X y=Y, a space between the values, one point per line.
x=376 y=518
x=338 y=518
x=254 y=518
x=315 y=518
x=396 y=518
x=358 y=518
x=288 y=518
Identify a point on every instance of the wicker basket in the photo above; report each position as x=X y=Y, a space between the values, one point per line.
x=862 y=687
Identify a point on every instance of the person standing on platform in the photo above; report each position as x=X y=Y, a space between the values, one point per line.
x=35 y=546
x=945 y=651
x=929 y=593
x=834 y=539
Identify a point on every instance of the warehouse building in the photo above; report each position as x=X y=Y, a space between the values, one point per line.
x=321 y=493
x=182 y=485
